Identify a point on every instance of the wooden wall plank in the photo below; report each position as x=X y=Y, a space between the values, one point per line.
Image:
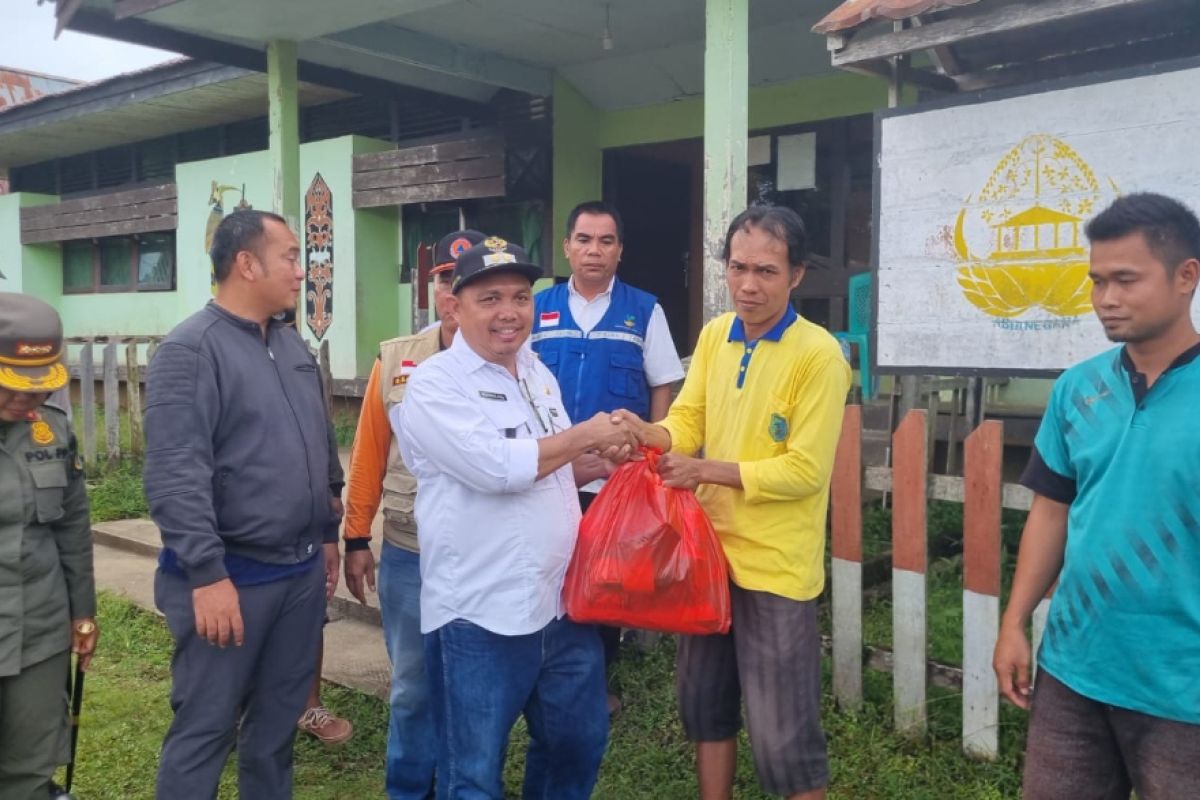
x=429 y=173
x=846 y=563
x=429 y=193
x=909 y=556
x=148 y=225
x=157 y=208
x=451 y=150
x=149 y=194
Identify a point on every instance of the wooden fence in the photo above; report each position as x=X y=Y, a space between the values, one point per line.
x=983 y=495
x=119 y=365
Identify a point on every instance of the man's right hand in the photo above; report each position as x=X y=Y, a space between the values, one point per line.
x=610 y=434
x=1011 y=661
x=218 y=613
x=360 y=573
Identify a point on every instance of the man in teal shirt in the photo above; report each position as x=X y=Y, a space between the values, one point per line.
x=1116 y=520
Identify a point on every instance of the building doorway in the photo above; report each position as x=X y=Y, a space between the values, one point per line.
x=658 y=191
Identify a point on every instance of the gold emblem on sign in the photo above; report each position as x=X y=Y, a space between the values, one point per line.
x=1034 y=205
x=41 y=433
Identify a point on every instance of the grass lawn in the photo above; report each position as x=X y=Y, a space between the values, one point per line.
x=126 y=713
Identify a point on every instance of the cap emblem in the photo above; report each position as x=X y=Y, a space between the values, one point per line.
x=495 y=244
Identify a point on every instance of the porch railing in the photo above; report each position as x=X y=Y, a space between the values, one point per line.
x=118 y=364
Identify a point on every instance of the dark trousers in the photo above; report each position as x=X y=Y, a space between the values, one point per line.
x=33 y=727
x=1082 y=748
x=610 y=637
x=266 y=680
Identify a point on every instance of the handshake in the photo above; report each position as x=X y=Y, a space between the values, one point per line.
x=615 y=438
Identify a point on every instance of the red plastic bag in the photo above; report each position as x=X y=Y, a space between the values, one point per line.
x=647 y=557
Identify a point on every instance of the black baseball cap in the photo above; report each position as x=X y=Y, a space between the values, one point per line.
x=492 y=255
x=451 y=246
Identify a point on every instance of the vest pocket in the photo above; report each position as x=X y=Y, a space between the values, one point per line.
x=625 y=375
x=49 y=481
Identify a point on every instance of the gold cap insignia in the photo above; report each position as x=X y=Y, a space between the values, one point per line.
x=495 y=243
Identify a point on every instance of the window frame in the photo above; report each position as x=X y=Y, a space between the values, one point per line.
x=132 y=286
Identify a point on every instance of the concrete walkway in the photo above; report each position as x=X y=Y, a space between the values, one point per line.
x=127 y=555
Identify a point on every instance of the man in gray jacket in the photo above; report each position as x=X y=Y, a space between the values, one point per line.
x=238 y=475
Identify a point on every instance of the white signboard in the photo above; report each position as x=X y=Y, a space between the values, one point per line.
x=982 y=257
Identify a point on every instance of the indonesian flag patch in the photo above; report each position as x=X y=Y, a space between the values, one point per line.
x=548 y=319
x=406 y=368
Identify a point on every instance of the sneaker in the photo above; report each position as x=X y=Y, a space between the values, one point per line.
x=328 y=729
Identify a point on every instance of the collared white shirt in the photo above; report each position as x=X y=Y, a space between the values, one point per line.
x=495 y=541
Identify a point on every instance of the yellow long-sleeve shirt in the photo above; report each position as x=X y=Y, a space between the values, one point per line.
x=774 y=407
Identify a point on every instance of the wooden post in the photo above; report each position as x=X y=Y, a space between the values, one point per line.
x=283 y=119
x=909 y=557
x=133 y=398
x=846 y=562
x=87 y=402
x=982 y=475
x=112 y=403
x=726 y=119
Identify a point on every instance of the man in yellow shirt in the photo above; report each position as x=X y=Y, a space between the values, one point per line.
x=763 y=399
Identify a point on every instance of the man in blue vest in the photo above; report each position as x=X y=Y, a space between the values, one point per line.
x=606 y=342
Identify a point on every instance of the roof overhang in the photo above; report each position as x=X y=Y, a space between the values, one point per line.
x=974 y=44
x=160 y=101
x=617 y=53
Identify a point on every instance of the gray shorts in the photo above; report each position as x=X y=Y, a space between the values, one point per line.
x=1078 y=747
x=771 y=661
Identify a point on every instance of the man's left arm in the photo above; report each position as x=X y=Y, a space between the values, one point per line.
x=814 y=427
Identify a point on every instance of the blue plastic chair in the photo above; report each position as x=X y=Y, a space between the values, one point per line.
x=860 y=329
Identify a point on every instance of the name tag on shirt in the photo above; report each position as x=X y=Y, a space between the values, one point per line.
x=549 y=319
x=493 y=396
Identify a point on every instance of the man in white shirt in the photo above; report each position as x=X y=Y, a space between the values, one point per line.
x=607 y=343
x=485 y=432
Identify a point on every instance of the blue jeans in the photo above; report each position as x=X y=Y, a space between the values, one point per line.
x=481 y=683
x=412 y=745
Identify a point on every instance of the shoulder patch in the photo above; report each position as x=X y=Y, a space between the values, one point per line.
x=41 y=433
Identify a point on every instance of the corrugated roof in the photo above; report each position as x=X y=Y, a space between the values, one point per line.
x=853 y=13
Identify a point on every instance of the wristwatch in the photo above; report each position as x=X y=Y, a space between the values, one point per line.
x=85 y=628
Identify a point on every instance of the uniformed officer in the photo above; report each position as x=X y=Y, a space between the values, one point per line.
x=47 y=587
